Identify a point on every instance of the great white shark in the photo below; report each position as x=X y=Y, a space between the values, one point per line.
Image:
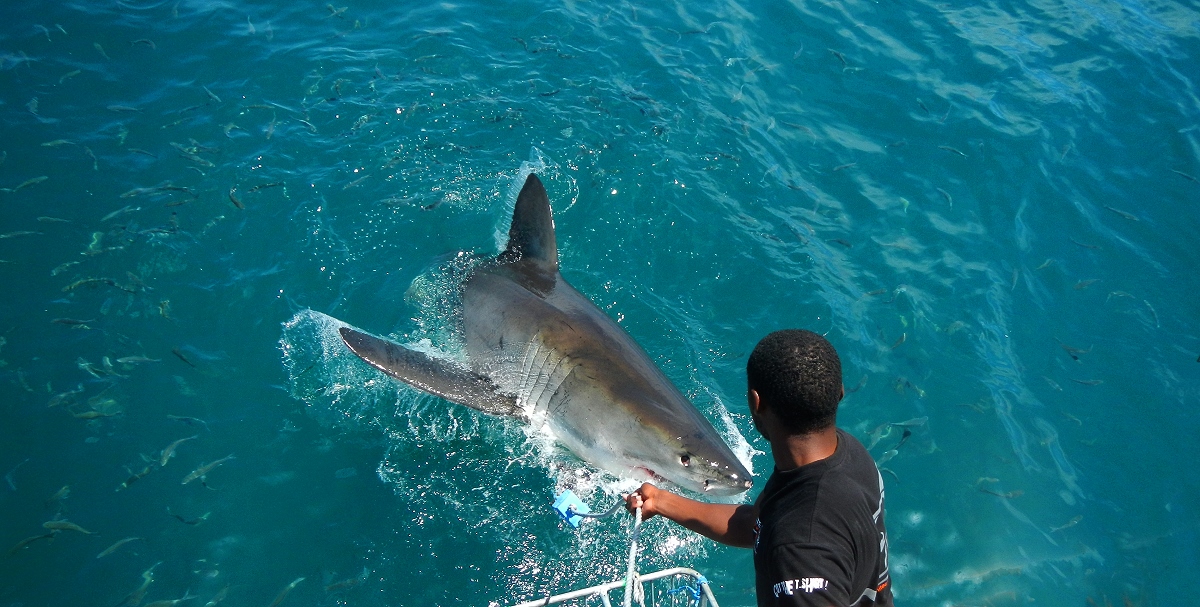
x=541 y=352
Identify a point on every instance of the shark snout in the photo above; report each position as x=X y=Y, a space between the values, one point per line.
x=712 y=475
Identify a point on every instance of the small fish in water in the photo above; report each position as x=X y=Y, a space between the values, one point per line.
x=57 y=143
x=8 y=478
x=220 y=596
x=25 y=184
x=73 y=322
x=1129 y=216
x=59 y=496
x=211 y=95
x=1045 y=264
x=263 y=186
x=1186 y=176
x=135 y=477
x=29 y=540
x=100 y=49
x=133 y=599
x=911 y=423
x=879 y=433
x=96 y=414
x=887 y=456
x=169 y=451
x=1085 y=245
x=140 y=191
x=1083 y=284
x=18 y=233
x=1073 y=352
x=171 y=602
x=1008 y=495
x=62 y=267
x=946 y=195
x=903 y=384
x=842 y=167
x=180 y=355
x=121 y=211
x=1067 y=525
x=903 y=338
x=189 y=521
x=861 y=382
x=145 y=41
x=202 y=471
x=48 y=219
x=1152 y=312
x=1118 y=294
x=986 y=479
x=286 y=589
x=87 y=367
x=64 y=397
x=137 y=360
x=1053 y=384
x=93 y=281
x=349 y=582
x=952 y=150
x=116 y=545
x=1088 y=382
x=69 y=75
x=66 y=526
x=191 y=421
x=234 y=199
x=197 y=159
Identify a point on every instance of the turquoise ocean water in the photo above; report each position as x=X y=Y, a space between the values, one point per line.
x=990 y=209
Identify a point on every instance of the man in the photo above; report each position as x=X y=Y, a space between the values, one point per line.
x=817 y=528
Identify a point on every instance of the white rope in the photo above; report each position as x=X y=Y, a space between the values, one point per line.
x=631 y=573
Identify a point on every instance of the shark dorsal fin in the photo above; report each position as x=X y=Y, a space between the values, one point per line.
x=532 y=233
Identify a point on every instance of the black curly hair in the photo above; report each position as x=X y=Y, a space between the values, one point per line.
x=798 y=374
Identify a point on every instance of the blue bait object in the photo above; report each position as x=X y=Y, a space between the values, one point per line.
x=569 y=507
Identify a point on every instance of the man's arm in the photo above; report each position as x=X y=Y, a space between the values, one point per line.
x=726 y=523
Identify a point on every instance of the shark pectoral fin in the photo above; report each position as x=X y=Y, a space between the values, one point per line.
x=435 y=376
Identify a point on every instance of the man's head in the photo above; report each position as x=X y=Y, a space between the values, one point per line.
x=798 y=376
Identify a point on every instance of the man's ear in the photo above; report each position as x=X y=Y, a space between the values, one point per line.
x=755 y=402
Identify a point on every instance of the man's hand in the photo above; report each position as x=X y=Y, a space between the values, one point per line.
x=646 y=498
x=725 y=523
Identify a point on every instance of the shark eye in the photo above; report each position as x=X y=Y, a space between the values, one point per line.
x=685 y=460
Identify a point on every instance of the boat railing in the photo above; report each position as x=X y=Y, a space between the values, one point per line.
x=698 y=594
